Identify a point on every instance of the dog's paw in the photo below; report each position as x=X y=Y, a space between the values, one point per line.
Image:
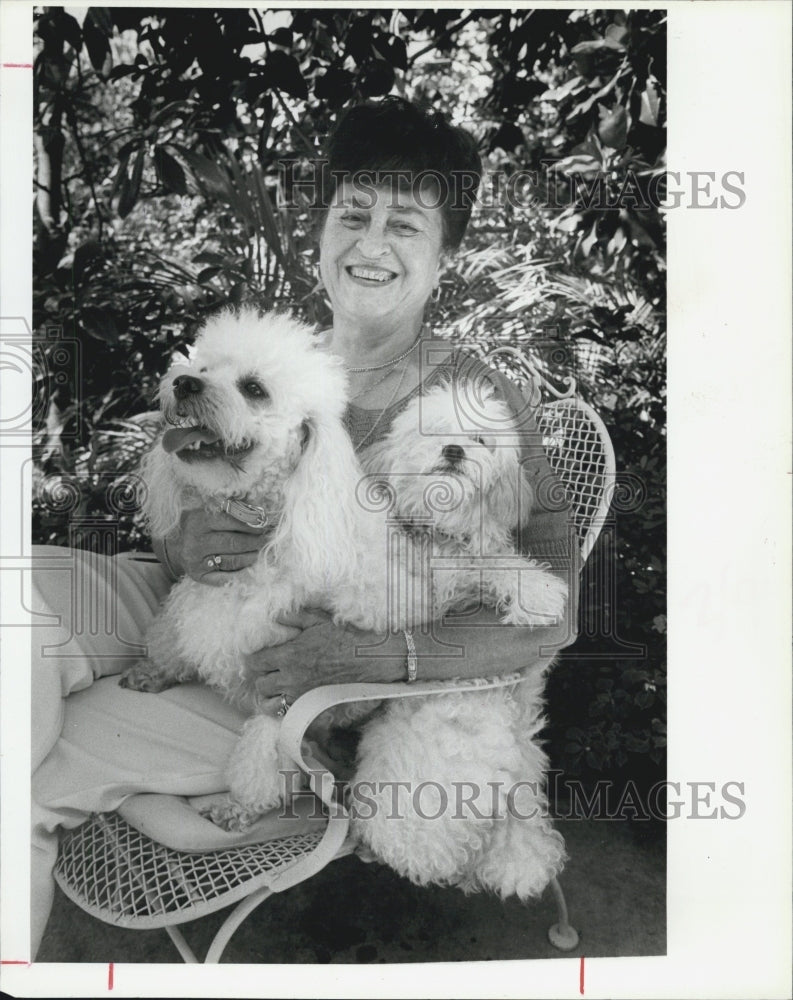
x=231 y=816
x=145 y=676
x=542 y=602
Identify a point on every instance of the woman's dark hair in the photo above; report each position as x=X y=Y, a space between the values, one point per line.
x=395 y=139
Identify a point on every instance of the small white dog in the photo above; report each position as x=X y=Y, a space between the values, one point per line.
x=256 y=416
x=461 y=492
x=451 y=787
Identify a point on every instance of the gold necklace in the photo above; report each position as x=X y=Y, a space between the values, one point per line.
x=374 y=384
x=392 y=362
x=380 y=415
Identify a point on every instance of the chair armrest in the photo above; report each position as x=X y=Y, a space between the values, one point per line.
x=313 y=703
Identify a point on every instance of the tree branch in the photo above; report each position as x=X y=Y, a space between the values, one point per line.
x=285 y=107
x=443 y=36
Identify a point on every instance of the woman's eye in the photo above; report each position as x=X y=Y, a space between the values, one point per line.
x=405 y=228
x=351 y=220
x=255 y=389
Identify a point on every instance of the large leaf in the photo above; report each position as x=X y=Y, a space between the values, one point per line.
x=70 y=27
x=96 y=40
x=122 y=70
x=335 y=86
x=100 y=323
x=207 y=173
x=283 y=37
x=393 y=49
x=613 y=128
x=84 y=256
x=103 y=18
x=121 y=173
x=130 y=186
x=284 y=73
x=270 y=226
x=208 y=257
x=377 y=78
x=650 y=103
x=169 y=171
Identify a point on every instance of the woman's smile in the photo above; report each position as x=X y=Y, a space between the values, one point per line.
x=368 y=275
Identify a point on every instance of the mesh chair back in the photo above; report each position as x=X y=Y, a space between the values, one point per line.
x=579 y=451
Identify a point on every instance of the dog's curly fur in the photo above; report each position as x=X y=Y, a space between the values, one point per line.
x=268 y=410
x=274 y=402
x=458 y=493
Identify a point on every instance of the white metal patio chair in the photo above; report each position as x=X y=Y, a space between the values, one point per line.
x=118 y=874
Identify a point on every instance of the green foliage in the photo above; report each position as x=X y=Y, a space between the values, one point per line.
x=160 y=138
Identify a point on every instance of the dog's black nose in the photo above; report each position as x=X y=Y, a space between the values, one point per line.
x=453 y=453
x=187 y=385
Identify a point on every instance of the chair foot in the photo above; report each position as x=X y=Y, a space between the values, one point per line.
x=563 y=936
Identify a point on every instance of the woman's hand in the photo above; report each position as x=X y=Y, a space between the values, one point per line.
x=203 y=535
x=322 y=653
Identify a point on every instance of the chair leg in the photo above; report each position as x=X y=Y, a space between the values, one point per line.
x=561 y=935
x=184 y=949
x=233 y=921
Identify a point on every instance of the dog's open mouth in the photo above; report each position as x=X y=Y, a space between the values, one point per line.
x=200 y=443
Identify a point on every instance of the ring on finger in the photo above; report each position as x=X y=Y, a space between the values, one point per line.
x=213 y=562
x=283 y=707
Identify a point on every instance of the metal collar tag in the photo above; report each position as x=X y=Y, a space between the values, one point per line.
x=254 y=517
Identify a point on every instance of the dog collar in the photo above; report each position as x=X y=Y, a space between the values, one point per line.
x=417 y=530
x=254 y=517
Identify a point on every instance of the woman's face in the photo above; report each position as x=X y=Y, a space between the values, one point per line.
x=380 y=253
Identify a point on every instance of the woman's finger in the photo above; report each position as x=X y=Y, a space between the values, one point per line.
x=303 y=617
x=269 y=685
x=233 y=541
x=215 y=569
x=204 y=521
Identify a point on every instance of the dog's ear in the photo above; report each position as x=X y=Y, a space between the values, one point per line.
x=161 y=498
x=317 y=532
x=511 y=497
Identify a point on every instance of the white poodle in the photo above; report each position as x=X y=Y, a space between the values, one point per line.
x=450 y=788
x=256 y=416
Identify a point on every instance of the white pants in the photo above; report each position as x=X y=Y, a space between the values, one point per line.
x=97 y=746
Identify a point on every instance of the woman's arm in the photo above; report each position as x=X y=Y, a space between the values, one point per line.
x=472 y=645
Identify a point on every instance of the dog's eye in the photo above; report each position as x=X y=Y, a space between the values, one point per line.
x=253 y=389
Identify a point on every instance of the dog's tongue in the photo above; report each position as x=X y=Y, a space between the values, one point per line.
x=177 y=438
